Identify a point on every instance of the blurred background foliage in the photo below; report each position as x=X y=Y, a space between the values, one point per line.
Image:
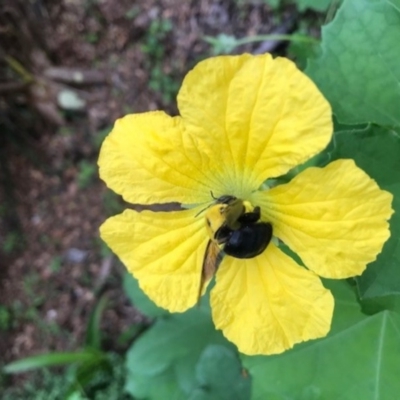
x=73 y=325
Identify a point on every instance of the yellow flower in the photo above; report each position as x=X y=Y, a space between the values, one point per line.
x=243 y=119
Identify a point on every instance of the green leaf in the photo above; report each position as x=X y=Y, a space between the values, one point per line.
x=274 y=4
x=301 y=52
x=139 y=299
x=220 y=376
x=76 y=396
x=89 y=374
x=358 y=360
x=377 y=304
x=222 y=43
x=377 y=151
x=93 y=330
x=161 y=363
x=162 y=386
x=317 y=5
x=51 y=360
x=358 y=69
x=347 y=308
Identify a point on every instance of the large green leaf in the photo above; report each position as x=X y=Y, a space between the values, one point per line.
x=377 y=151
x=160 y=386
x=376 y=304
x=162 y=362
x=220 y=376
x=358 y=69
x=359 y=359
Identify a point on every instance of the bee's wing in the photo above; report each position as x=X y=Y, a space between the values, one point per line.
x=212 y=259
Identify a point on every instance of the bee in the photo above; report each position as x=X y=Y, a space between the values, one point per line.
x=235 y=229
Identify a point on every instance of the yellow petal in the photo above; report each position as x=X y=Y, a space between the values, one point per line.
x=267 y=304
x=334 y=218
x=147 y=158
x=164 y=251
x=263 y=115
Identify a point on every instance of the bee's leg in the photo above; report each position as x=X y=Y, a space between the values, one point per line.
x=250 y=217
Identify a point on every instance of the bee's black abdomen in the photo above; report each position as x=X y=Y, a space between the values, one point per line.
x=249 y=241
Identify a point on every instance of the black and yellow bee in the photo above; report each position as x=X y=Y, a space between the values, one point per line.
x=235 y=229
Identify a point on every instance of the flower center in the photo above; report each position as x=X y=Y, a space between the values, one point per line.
x=235 y=226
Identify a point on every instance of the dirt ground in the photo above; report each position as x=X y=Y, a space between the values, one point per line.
x=132 y=56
